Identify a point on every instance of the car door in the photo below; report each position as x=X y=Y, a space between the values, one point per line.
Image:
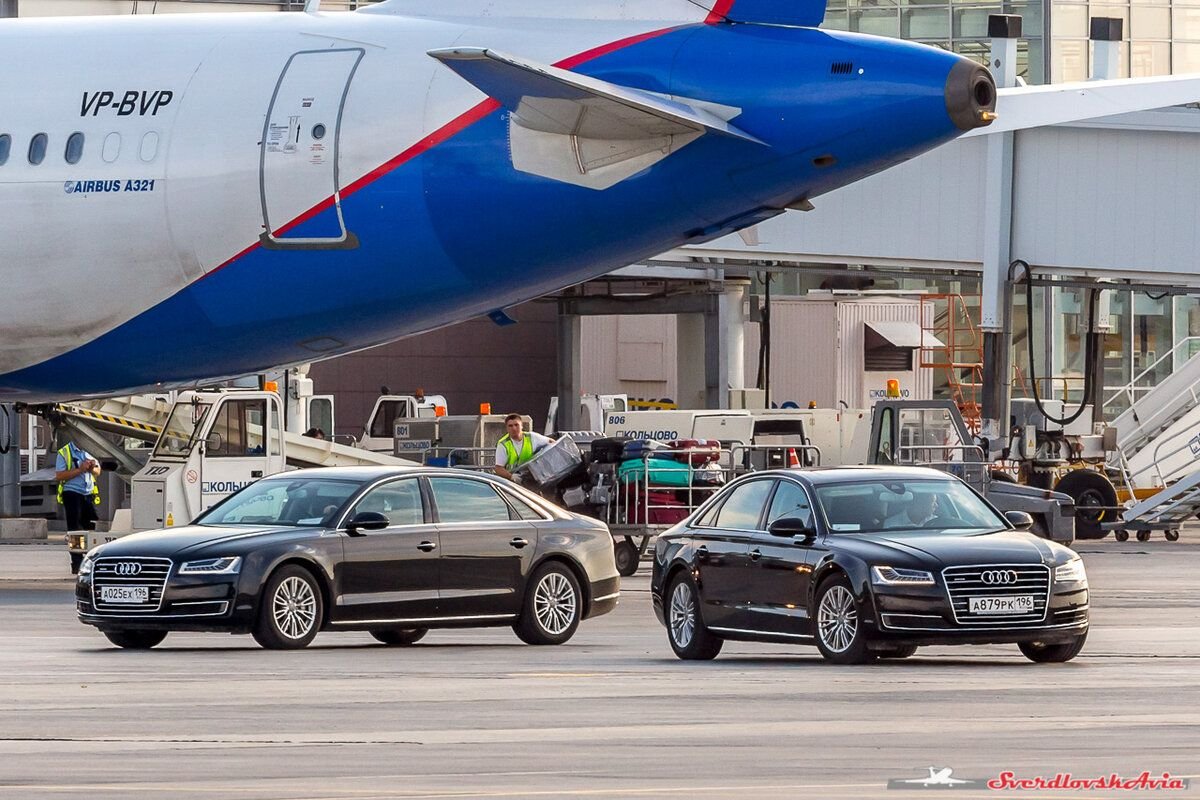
x=390 y=575
x=782 y=566
x=723 y=568
x=486 y=548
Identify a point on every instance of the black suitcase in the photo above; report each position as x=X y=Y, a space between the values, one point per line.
x=608 y=450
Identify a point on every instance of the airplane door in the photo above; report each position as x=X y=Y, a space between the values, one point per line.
x=298 y=162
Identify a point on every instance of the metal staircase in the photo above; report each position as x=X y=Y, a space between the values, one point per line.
x=1158 y=444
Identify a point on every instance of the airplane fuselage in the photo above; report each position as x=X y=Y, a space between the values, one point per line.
x=254 y=190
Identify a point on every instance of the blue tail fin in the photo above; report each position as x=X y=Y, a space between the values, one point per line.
x=804 y=13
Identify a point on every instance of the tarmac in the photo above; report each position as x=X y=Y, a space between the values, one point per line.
x=476 y=714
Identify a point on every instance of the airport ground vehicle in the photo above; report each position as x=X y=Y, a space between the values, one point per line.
x=207 y=445
x=394 y=551
x=379 y=430
x=865 y=562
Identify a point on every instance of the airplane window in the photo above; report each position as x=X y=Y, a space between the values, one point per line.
x=112 y=147
x=149 y=147
x=74 y=148
x=37 y=149
x=318 y=131
x=5 y=146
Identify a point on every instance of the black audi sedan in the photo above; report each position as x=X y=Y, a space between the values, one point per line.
x=865 y=563
x=393 y=551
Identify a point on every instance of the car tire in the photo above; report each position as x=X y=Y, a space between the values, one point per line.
x=1053 y=653
x=1089 y=488
x=839 y=629
x=626 y=555
x=290 y=610
x=1121 y=535
x=135 y=640
x=686 y=632
x=904 y=651
x=552 y=607
x=400 y=637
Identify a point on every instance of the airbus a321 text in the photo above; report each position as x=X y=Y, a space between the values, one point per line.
x=186 y=198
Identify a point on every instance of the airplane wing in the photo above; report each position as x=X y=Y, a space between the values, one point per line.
x=1034 y=106
x=583 y=130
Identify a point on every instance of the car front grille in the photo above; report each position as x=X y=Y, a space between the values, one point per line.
x=963 y=583
x=116 y=571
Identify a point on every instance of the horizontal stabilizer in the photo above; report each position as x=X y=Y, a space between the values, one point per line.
x=1035 y=106
x=801 y=13
x=558 y=101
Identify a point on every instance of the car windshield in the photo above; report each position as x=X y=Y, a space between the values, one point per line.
x=180 y=430
x=301 y=502
x=928 y=505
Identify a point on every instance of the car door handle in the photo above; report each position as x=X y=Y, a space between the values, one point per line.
x=427 y=547
x=518 y=542
x=755 y=554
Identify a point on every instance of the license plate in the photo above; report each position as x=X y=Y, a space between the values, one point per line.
x=125 y=594
x=1015 y=604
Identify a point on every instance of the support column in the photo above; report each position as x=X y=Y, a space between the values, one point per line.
x=716 y=354
x=570 y=329
x=690 y=353
x=10 y=462
x=8 y=8
x=733 y=302
x=996 y=310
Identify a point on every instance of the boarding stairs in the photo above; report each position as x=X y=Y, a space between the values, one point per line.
x=1158 y=442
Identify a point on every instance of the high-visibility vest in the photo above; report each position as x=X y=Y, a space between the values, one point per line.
x=66 y=454
x=514 y=459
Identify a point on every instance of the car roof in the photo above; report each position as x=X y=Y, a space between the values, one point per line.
x=823 y=476
x=371 y=473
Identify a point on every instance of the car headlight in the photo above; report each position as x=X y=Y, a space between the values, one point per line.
x=212 y=566
x=85 y=566
x=894 y=576
x=1071 y=571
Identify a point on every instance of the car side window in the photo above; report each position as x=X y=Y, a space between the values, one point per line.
x=466 y=500
x=790 y=501
x=744 y=506
x=522 y=509
x=399 y=501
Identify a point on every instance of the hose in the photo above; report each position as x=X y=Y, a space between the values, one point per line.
x=1089 y=348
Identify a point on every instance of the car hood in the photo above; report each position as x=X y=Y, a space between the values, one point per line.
x=190 y=538
x=914 y=548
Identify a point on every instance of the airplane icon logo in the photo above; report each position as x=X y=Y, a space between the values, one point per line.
x=938 y=777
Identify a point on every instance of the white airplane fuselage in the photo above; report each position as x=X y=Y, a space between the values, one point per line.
x=254 y=190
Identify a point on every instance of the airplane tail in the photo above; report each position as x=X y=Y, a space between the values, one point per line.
x=803 y=13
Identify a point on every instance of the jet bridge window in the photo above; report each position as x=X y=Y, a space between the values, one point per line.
x=37 y=149
x=74 y=150
x=5 y=147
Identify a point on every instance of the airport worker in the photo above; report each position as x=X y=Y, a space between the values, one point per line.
x=76 y=472
x=517 y=447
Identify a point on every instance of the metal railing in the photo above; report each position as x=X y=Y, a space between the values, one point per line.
x=1134 y=385
x=975 y=471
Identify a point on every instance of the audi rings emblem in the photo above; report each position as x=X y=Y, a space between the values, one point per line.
x=128 y=568
x=1000 y=577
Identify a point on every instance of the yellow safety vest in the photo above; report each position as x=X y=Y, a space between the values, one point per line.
x=66 y=454
x=514 y=459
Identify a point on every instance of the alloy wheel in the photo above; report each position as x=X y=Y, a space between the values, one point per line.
x=294 y=608
x=683 y=615
x=837 y=619
x=555 y=603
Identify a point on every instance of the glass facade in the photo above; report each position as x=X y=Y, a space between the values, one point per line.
x=1161 y=37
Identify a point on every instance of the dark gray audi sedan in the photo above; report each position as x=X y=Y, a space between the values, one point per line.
x=394 y=551
x=865 y=563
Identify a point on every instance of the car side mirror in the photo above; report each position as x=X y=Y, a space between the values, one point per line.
x=213 y=441
x=791 y=528
x=1019 y=520
x=366 y=521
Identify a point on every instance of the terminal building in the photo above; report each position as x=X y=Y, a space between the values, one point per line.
x=1112 y=199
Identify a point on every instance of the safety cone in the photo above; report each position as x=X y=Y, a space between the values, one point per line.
x=793 y=459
